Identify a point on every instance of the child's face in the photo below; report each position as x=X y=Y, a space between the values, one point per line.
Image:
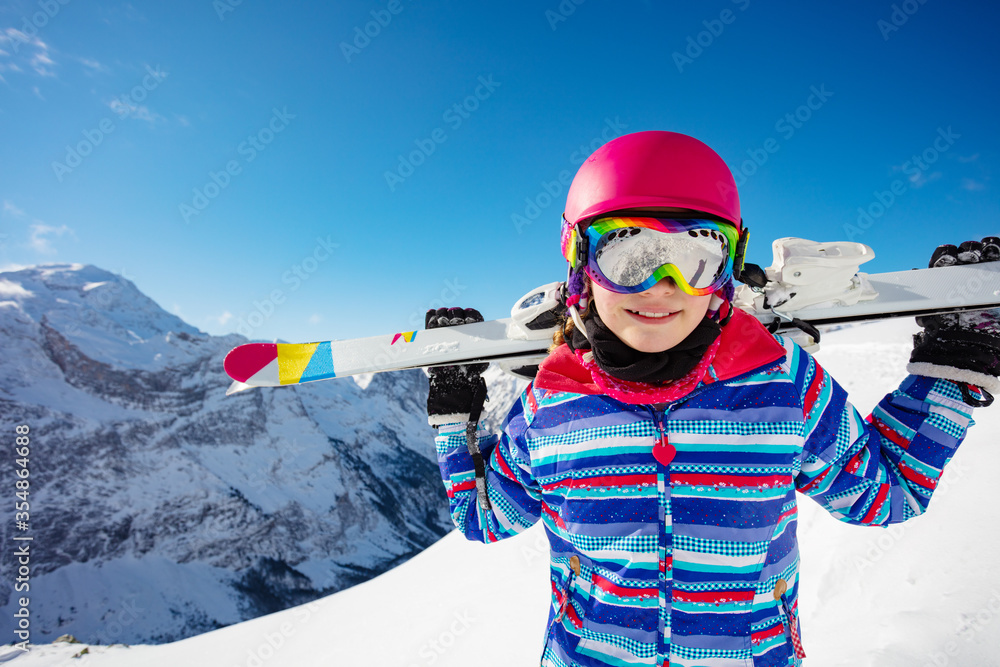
x=620 y=313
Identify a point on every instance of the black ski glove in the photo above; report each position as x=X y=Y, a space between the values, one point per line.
x=963 y=347
x=457 y=393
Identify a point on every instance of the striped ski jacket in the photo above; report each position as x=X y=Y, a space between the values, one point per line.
x=672 y=528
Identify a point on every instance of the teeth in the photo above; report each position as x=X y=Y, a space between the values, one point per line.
x=645 y=314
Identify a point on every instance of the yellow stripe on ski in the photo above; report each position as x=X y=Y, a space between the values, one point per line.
x=293 y=360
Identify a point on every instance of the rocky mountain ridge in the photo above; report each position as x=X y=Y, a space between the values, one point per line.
x=161 y=508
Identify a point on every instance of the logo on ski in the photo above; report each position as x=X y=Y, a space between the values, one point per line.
x=407 y=337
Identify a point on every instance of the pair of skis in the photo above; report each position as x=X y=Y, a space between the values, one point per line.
x=810 y=286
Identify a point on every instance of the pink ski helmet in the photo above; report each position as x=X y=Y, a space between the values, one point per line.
x=647 y=170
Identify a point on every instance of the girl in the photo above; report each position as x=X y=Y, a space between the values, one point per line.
x=664 y=438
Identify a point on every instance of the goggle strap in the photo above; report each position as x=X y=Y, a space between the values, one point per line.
x=741 y=251
x=582 y=247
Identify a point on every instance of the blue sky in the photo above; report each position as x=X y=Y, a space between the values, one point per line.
x=272 y=169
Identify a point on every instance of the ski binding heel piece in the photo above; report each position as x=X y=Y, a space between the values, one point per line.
x=803 y=262
x=537 y=314
x=809 y=273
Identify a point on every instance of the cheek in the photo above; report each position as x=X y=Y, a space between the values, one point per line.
x=604 y=300
x=700 y=304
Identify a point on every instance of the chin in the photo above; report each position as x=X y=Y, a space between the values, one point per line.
x=651 y=344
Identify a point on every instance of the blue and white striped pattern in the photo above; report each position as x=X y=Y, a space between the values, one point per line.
x=679 y=562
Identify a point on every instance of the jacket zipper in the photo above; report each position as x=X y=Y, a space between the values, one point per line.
x=663 y=451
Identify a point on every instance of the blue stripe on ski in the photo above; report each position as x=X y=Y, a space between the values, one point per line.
x=320 y=366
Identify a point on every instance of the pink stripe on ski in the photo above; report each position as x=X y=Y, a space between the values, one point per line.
x=245 y=361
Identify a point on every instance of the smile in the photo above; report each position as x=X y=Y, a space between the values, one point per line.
x=643 y=313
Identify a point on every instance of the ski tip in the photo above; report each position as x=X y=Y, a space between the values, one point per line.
x=242 y=362
x=237 y=386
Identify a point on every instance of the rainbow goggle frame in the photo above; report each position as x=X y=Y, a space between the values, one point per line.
x=628 y=255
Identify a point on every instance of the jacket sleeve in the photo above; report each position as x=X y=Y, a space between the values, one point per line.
x=514 y=495
x=881 y=469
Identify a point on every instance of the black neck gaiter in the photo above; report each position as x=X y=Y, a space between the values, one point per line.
x=619 y=360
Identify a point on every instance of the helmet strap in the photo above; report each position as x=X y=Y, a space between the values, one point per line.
x=715 y=305
x=577 y=293
x=578 y=321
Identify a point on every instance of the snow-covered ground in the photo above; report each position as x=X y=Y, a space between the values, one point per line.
x=926 y=593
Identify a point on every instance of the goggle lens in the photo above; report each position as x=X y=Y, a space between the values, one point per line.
x=632 y=254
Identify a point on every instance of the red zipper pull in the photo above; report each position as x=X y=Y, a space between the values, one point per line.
x=663 y=450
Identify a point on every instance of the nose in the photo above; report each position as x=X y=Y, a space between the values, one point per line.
x=666 y=286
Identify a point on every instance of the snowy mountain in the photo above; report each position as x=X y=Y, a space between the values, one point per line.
x=160 y=508
x=925 y=593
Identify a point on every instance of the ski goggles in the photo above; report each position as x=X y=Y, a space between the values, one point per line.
x=628 y=255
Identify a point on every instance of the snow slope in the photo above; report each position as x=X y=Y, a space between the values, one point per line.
x=926 y=593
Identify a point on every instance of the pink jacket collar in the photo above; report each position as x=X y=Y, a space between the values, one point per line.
x=744 y=345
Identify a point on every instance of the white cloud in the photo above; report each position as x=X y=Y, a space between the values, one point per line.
x=20 y=51
x=8 y=207
x=92 y=64
x=972 y=185
x=126 y=109
x=315 y=318
x=920 y=179
x=4 y=268
x=42 y=234
x=223 y=318
x=42 y=64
